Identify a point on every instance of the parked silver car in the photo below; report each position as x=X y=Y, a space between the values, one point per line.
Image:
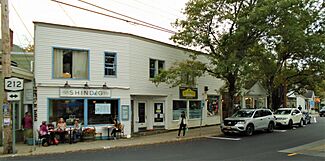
x=248 y=120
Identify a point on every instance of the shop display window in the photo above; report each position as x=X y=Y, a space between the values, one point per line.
x=178 y=107
x=213 y=105
x=102 y=111
x=69 y=110
x=195 y=109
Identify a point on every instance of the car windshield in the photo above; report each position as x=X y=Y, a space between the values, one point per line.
x=243 y=113
x=283 y=112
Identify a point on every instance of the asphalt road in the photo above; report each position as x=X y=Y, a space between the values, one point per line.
x=259 y=147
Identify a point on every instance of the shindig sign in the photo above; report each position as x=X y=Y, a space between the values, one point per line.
x=80 y=92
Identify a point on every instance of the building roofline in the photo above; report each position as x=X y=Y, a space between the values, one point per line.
x=117 y=33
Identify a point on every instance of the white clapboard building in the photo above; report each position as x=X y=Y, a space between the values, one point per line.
x=97 y=75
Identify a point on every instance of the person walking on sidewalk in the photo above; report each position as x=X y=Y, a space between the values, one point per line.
x=182 y=123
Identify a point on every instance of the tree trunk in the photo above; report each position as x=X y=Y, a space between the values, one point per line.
x=277 y=98
x=231 y=92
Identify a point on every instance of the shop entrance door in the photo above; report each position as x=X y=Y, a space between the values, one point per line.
x=159 y=117
x=142 y=116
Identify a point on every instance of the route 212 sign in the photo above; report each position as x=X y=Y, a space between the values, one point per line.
x=14 y=84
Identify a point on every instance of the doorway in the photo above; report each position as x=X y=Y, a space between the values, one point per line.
x=159 y=117
x=141 y=115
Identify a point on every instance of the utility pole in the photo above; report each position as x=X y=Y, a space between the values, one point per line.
x=6 y=72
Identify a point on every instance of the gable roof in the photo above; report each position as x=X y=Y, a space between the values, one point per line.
x=309 y=94
x=256 y=90
x=15 y=48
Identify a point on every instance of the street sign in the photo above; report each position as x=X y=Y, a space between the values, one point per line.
x=14 y=84
x=5 y=108
x=13 y=96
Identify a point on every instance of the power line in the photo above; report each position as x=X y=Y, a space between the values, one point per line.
x=124 y=15
x=66 y=13
x=135 y=6
x=121 y=19
x=28 y=60
x=22 y=22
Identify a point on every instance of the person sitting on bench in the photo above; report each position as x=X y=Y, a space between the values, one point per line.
x=44 y=134
x=117 y=128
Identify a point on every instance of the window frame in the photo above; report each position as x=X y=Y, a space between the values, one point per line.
x=114 y=64
x=190 y=114
x=185 y=109
x=156 y=67
x=65 y=99
x=85 y=112
x=69 y=48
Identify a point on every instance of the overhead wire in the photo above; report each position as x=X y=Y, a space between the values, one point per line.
x=30 y=43
x=28 y=60
x=121 y=19
x=123 y=15
x=21 y=20
x=66 y=13
x=135 y=6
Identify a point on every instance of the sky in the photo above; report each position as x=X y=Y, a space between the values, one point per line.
x=162 y=13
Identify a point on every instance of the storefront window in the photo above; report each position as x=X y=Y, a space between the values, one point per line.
x=67 y=109
x=178 y=107
x=195 y=109
x=213 y=105
x=102 y=111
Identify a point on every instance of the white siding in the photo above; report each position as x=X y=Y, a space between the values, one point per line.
x=96 y=42
x=133 y=54
x=140 y=53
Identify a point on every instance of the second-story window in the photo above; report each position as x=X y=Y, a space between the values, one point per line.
x=110 y=64
x=70 y=63
x=188 y=79
x=155 y=66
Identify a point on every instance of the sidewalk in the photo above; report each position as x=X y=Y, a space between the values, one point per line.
x=26 y=150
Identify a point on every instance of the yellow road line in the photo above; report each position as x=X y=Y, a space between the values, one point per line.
x=292 y=154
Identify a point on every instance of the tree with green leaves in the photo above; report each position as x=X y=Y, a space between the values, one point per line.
x=239 y=36
x=293 y=53
x=181 y=74
x=226 y=31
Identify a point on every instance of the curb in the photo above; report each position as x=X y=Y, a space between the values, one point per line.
x=110 y=147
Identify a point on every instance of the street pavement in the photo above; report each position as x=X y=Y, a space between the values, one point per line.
x=306 y=143
x=26 y=150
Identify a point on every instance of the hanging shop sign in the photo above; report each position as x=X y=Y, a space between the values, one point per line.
x=81 y=92
x=187 y=93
